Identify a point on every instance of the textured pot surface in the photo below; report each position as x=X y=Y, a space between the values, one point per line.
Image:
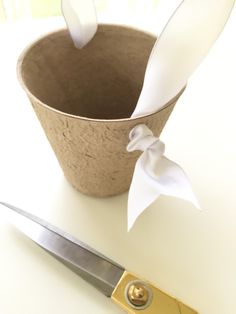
x=84 y=98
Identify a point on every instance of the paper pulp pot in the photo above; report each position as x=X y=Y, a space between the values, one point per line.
x=84 y=98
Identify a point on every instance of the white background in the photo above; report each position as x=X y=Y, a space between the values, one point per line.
x=189 y=254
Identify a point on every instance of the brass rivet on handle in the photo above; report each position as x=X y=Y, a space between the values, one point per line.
x=138 y=294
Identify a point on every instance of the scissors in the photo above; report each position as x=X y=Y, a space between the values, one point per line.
x=132 y=293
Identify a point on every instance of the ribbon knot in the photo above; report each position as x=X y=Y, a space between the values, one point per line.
x=154 y=174
x=141 y=138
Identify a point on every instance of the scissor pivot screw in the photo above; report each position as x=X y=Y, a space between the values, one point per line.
x=138 y=294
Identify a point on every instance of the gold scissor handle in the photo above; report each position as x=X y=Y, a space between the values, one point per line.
x=138 y=296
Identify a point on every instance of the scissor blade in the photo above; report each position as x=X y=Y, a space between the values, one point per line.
x=95 y=268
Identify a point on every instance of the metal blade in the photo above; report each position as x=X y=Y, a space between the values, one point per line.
x=92 y=266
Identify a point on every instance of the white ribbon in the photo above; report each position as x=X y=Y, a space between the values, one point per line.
x=181 y=47
x=184 y=42
x=81 y=20
x=154 y=174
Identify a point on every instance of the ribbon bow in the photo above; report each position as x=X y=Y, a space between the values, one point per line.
x=154 y=174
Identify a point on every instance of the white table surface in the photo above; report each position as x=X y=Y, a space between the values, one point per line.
x=189 y=254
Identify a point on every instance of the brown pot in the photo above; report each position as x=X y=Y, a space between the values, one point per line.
x=84 y=98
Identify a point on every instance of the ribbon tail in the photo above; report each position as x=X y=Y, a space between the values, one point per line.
x=148 y=184
x=173 y=181
x=154 y=175
x=142 y=192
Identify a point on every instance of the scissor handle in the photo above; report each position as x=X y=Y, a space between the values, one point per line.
x=138 y=296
